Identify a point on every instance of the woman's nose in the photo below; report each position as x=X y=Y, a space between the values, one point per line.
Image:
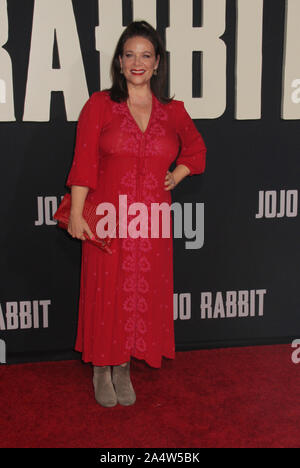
x=137 y=60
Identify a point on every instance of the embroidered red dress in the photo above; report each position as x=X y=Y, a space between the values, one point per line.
x=126 y=299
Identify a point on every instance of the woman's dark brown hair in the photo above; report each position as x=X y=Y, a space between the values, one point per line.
x=118 y=90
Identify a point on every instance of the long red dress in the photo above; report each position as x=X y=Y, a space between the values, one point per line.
x=126 y=299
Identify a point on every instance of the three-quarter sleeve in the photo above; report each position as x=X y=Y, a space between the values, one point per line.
x=85 y=167
x=193 y=148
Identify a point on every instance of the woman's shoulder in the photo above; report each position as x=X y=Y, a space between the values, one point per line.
x=176 y=111
x=175 y=104
x=95 y=103
x=179 y=114
x=99 y=96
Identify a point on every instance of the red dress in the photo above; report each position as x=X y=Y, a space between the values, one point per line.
x=126 y=299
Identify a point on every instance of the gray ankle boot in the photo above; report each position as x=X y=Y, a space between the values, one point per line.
x=104 y=390
x=121 y=380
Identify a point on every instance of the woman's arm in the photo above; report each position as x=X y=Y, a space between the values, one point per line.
x=78 y=196
x=77 y=224
x=173 y=178
x=83 y=175
x=192 y=157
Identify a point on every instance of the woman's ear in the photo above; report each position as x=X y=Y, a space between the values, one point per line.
x=157 y=61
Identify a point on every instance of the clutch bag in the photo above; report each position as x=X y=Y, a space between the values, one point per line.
x=62 y=215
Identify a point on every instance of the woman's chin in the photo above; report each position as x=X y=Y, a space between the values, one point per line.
x=134 y=79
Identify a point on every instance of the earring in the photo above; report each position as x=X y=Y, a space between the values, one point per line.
x=155 y=71
x=121 y=71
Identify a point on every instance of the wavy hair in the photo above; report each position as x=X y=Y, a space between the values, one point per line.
x=118 y=91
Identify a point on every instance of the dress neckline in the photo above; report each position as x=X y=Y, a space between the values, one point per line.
x=150 y=118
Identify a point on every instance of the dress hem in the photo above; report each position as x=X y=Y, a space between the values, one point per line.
x=95 y=363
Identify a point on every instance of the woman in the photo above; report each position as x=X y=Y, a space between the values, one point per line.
x=127 y=137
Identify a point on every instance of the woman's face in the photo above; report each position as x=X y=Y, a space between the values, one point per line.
x=138 y=60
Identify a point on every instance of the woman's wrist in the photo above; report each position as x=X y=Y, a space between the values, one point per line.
x=75 y=213
x=180 y=172
x=78 y=196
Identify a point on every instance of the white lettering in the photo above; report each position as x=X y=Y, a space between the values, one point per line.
x=249 y=59
x=236 y=304
x=24 y=315
x=206 y=39
x=6 y=84
x=291 y=68
x=50 y=18
x=268 y=200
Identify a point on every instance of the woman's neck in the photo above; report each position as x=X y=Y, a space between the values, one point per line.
x=138 y=94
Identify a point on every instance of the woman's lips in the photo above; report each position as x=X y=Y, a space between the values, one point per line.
x=137 y=72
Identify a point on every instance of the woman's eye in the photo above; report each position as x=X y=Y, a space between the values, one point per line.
x=130 y=55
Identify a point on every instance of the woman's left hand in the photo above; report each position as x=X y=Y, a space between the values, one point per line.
x=170 y=182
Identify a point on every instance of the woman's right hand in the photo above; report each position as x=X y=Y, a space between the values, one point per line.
x=77 y=226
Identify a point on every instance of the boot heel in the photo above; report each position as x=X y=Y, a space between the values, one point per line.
x=104 y=390
x=123 y=386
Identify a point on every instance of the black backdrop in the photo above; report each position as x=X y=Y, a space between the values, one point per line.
x=247 y=268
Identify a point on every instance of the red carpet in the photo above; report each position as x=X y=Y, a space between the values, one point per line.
x=234 y=397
